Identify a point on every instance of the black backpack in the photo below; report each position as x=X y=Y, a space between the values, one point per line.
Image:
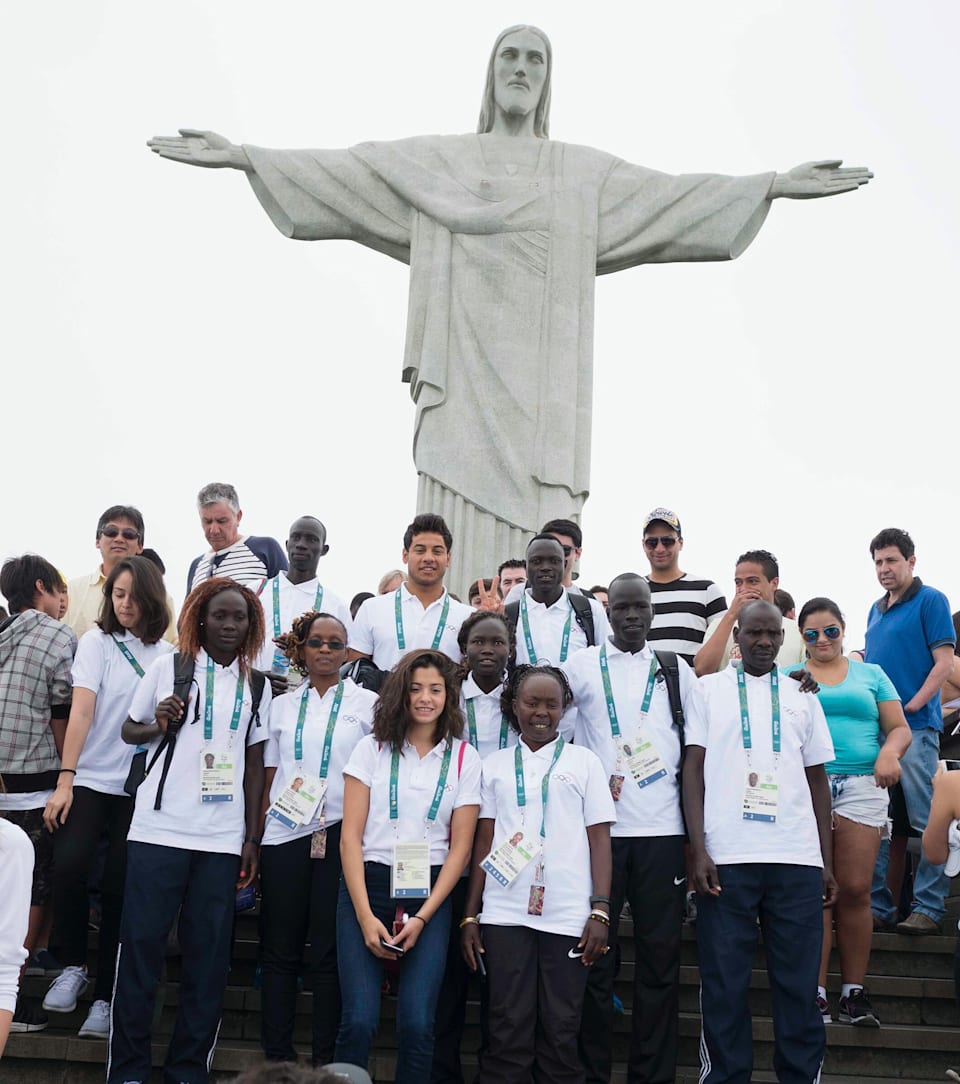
x=581 y=611
x=183 y=666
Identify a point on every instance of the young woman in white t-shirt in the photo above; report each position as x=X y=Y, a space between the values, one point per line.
x=90 y=800
x=545 y=822
x=194 y=838
x=313 y=731
x=16 y=881
x=411 y=799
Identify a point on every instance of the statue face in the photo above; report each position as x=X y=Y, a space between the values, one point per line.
x=520 y=69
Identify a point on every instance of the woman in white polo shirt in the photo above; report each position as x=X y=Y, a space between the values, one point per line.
x=313 y=731
x=410 y=805
x=542 y=866
x=90 y=798
x=194 y=836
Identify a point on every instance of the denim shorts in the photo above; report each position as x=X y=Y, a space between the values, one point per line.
x=857 y=798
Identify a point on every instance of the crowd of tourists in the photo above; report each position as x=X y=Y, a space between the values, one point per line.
x=366 y=770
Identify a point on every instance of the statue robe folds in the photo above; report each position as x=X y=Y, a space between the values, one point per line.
x=499 y=345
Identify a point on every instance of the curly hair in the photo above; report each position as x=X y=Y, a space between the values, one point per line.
x=391 y=715
x=517 y=675
x=463 y=636
x=195 y=610
x=291 y=643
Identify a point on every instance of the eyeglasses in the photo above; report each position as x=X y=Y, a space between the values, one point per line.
x=334 y=645
x=668 y=541
x=129 y=533
x=567 y=550
x=832 y=632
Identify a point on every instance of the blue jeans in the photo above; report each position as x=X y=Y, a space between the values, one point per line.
x=787 y=901
x=361 y=976
x=930 y=883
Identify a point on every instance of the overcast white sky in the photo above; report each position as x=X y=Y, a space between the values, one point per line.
x=159 y=333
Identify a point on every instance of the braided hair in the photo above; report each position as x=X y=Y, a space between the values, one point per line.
x=517 y=675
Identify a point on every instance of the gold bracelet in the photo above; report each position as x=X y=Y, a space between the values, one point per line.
x=468 y=920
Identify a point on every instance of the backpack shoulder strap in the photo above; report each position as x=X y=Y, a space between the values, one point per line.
x=512 y=613
x=671 y=673
x=257 y=681
x=583 y=612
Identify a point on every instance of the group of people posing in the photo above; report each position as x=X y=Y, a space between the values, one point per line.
x=429 y=789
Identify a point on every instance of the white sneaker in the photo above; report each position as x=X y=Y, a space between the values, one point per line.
x=97 y=1023
x=65 y=989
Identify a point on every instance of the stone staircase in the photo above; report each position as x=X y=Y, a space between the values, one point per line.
x=910 y=983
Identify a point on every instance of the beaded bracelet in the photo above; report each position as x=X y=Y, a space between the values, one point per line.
x=599 y=916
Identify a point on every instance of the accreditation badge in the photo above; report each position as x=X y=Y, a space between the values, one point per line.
x=760 y=791
x=299 y=800
x=616 y=786
x=643 y=761
x=505 y=863
x=410 y=871
x=216 y=775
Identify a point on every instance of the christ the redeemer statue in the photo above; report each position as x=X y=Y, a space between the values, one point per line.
x=504 y=232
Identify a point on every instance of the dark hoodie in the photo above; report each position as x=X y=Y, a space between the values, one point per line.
x=36 y=655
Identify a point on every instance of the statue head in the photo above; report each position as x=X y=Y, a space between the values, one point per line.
x=488 y=110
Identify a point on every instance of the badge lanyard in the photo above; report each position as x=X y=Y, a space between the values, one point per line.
x=328 y=737
x=208 y=705
x=138 y=669
x=398 y=614
x=128 y=655
x=528 y=639
x=318 y=602
x=544 y=786
x=608 y=691
x=437 y=794
x=745 y=712
x=472 y=726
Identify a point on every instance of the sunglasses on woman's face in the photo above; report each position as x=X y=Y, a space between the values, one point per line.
x=832 y=632
x=334 y=645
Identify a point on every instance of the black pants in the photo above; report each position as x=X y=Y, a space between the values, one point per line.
x=650 y=873
x=161 y=880
x=452 y=1004
x=299 y=900
x=74 y=853
x=536 y=998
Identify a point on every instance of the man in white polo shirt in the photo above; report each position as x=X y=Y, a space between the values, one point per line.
x=297 y=591
x=552 y=623
x=757 y=806
x=248 y=559
x=420 y=613
x=623 y=704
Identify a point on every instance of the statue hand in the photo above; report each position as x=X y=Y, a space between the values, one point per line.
x=811 y=180
x=197 y=148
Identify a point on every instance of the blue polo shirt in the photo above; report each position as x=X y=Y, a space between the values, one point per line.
x=901 y=638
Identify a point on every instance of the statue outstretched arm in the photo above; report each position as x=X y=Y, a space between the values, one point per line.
x=811 y=180
x=197 y=148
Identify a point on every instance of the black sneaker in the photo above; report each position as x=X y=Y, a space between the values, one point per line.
x=28 y=1016
x=856 y=1009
